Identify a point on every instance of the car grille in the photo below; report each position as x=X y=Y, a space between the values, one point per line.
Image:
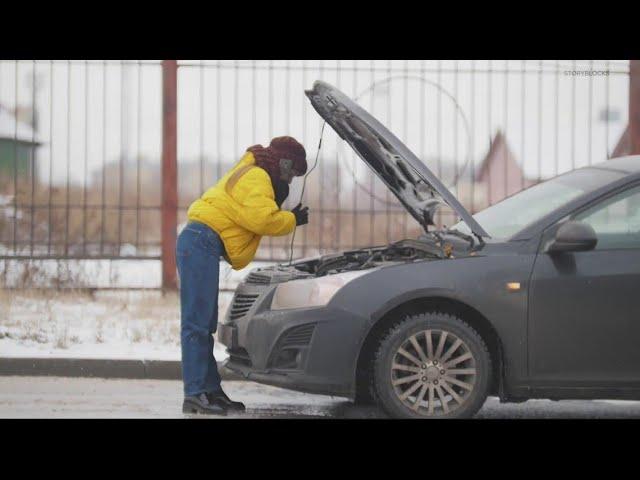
x=298 y=336
x=257 y=279
x=241 y=305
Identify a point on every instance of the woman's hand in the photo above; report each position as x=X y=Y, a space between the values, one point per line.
x=301 y=214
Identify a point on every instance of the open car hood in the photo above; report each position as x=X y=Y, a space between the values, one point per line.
x=417 y=188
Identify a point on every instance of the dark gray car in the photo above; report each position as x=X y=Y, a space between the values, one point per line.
x=537 y=296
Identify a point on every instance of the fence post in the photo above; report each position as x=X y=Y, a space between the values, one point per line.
x=169 y=172
x=634 y=107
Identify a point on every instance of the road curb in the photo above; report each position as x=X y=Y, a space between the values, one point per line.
x=101 y=368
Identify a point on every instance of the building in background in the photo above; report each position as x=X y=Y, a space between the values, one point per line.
x=499 y=175
x=18 y=145
x=623 y=147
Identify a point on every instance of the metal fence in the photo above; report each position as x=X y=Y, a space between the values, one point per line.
x=100 y=160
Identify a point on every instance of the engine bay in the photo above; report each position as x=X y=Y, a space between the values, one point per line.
x=399 y=252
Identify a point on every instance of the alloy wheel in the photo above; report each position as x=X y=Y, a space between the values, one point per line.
x=433 y=372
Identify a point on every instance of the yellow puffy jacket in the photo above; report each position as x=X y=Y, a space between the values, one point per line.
x=241 y=208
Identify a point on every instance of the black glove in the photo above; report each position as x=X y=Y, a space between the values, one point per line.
x=302 y=214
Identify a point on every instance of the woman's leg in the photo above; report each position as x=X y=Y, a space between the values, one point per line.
x=213 y=376
x=198 y=268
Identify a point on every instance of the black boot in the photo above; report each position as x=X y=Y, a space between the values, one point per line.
x=221 y=398
x=201 y=404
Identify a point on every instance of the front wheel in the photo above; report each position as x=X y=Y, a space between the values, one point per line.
x=432 y=365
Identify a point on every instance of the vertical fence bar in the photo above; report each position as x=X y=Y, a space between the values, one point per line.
x=505 y=150
x=606 y=129
x=103 y=201
x=455 y=131
x=169 y=171
x=138 y=155
x=556 y=144
x=523 y=130
x=15 y=162
x=321 y=169
x=269 y=123
x=405 y=125
x=539 y=121
x=49 y=199
x=354 y=187
x=124 y=148
x=590 y=113
x=489 y=199
x=304 y=142
x=439 y=134
x=372 y=206
x=470 y=146
x=218 y=120
x=86 y=157
x=634 y=106
x=201 y=108
x=67 y=203
x=573 y=117
x=33 y=151
x=387 y=198
x=337 y=214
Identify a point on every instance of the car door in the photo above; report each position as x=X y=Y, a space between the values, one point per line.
x=584 y=307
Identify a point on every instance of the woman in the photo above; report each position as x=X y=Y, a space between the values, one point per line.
x=229 y=220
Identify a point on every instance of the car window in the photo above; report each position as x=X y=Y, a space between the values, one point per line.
x=616 y=220
x=509 y=216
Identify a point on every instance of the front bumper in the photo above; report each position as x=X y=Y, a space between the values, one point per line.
x=322 y=343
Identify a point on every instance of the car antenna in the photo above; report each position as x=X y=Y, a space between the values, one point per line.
x=304 y=183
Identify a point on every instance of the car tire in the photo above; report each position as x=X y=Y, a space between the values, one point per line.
x=416 y=378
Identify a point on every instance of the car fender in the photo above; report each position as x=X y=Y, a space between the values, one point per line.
x=477 y=282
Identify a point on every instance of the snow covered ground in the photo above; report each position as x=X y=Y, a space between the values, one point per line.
x=107 y=324
x=132 y=324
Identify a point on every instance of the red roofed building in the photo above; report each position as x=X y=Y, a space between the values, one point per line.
x=623 y=147
x=500 y=174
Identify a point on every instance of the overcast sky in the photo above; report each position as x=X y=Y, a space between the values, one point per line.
x=91 y=113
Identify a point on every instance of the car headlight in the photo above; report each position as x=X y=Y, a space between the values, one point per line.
x=312 y=292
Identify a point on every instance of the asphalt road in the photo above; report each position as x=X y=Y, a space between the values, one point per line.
x=47 y=397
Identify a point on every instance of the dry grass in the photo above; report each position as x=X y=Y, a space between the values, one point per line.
x=77 y=217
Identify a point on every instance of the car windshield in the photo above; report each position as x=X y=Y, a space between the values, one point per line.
x=509 y=216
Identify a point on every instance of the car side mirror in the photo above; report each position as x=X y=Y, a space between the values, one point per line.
x=574 y=236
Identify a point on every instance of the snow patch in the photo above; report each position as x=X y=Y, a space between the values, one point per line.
x=107 y=324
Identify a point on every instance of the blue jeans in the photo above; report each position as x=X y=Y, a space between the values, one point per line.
x=198 y=252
